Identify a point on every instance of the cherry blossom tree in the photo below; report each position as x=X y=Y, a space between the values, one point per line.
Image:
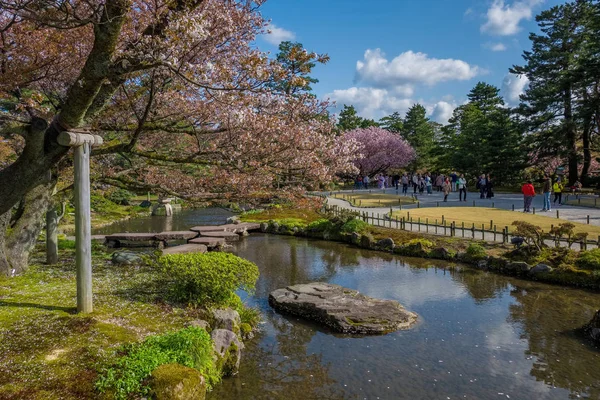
x=183 y=100
x=380 y=150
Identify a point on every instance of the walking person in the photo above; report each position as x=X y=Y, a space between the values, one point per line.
x=489 y=186
x=415 y=181
x=462 y=188
x=547 y=188
x=447 y=188
x=421 y=184
x=557 y=188
x=439 y=182
x=404 y=180
x=454 y=179
x=366 y=181
x=528 y=195
x=428 y=184
x=482 y=184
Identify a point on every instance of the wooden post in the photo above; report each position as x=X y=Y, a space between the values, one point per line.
x=82 y=143
x=463 y=228
x=513 y=207
x=588 y=219
x=557 y=214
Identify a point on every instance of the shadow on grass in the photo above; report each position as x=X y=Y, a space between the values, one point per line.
x=68 y=310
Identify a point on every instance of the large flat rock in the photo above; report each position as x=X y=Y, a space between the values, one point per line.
x=176 y=235
x=235 y=228
x=228 y=236
x=208 y=241
x=186 y=248
x=341 y=309
x=208 y=228
x=134 y=237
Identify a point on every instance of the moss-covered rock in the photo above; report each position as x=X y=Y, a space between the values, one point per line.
x=226 y=318
x=366 y=241
x=228 y=350
x=177 y=382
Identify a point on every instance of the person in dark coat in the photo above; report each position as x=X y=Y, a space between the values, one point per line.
x=489 y=185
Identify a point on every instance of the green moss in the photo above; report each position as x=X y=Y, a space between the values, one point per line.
x=589 y=260
x=175 y=381
x=245 y=329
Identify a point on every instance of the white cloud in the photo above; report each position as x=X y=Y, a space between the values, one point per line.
x=277 y=35
x=495 y=46
x=513 y=86
x=408 y=69
x=442 y=111
x=504 y=19
x=371 y=102
x=376 y=103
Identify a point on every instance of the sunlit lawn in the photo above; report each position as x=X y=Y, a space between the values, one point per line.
x=489 y=217
x=365 y=199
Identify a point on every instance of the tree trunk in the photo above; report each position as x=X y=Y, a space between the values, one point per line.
x=571 y=135
x=587 y=151
x=52 y=236
x=18 y=237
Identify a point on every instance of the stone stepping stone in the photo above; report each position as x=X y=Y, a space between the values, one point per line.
x=249 y=226
x=176 y=235
x=209 y=228
x=134 y=237
x=186 y=248
x=208 y=241
x=228 y=236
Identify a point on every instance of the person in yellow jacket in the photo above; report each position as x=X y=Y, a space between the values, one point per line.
x=557 y=189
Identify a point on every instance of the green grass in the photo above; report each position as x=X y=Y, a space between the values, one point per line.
x=365 y=199
x=287 y=216
x=49 y=352
x=488 y=217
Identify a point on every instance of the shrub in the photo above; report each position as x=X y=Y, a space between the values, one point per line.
x=207 y=279
x=421 y=243
x=354 y=225
x=191 y=347
x=531 y=233
x=589 y=260
x=120 y=196
x=320 y=225
x=475 y=251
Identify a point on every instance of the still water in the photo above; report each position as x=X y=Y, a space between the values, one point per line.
x=480 y=336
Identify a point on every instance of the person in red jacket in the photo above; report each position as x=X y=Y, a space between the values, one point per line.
x=528 y=195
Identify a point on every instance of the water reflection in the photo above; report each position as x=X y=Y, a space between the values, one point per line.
x=479 y=335
x=564 y=358
x=178 y=222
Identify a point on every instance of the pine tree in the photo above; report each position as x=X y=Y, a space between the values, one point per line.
x=550 y=104
x=418 y=131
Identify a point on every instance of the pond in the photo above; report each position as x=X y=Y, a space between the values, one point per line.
x=480 y=335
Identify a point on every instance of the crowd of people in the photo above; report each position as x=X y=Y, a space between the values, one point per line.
x=418 y=183
x=426 y=183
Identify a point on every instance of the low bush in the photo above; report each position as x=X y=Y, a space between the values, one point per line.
x=475 y=251
x=191 y=347
x=320 y=225
x=120 y=196
x=589 y=260
x=209 y=279
x=354 y=225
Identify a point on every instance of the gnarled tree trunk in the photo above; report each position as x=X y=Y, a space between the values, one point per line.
x=19 y=231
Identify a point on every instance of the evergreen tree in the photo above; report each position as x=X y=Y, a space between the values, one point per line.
x=551 y=104
x=482 y=138
x=349 y=120
x=419 y=132
x=297 y=64
x=392 y=123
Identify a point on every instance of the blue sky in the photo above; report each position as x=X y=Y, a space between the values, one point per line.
x=389 y=54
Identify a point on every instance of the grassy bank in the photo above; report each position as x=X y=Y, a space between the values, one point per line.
x=489 y=217
x=567 y=267
x=366 y=199
x=47 y=351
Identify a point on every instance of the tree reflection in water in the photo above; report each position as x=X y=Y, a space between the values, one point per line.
x=547 y=316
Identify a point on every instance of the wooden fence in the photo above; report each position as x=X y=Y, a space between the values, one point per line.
x=490 y=233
